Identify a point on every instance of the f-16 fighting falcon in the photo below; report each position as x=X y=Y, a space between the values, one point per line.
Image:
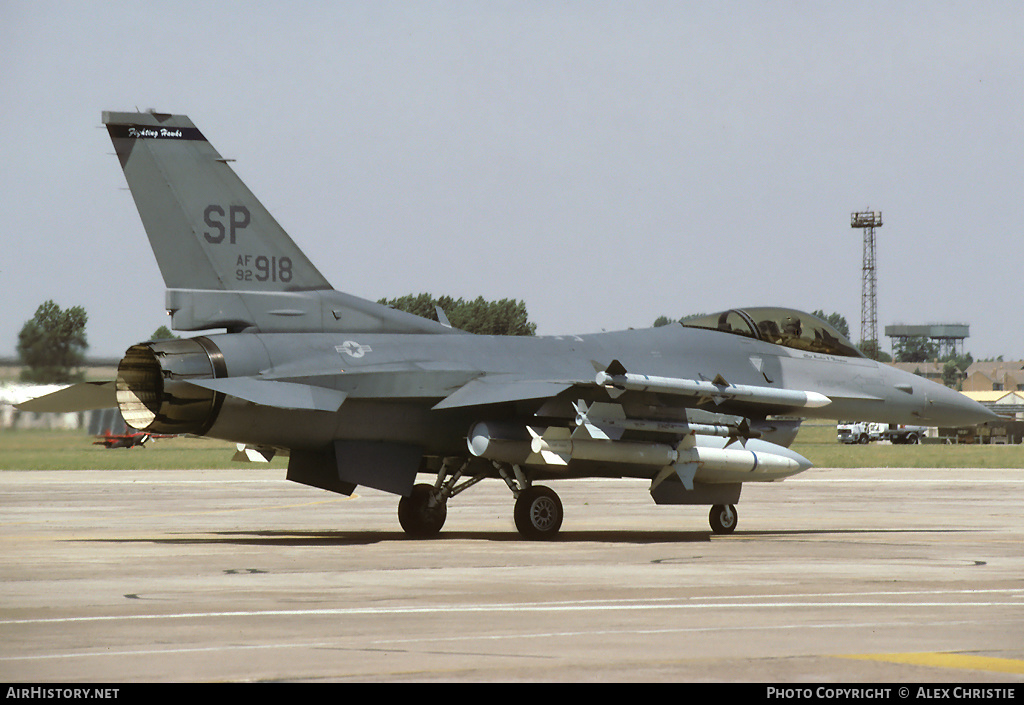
x=357 y=393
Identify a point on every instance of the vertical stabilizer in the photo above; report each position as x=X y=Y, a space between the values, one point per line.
x=225 y=260
x=206 y=228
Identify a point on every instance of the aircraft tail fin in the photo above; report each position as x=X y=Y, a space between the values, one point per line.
x=225 y=260
x=206 y=228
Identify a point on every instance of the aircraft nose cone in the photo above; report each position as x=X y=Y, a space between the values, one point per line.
x=946 y=407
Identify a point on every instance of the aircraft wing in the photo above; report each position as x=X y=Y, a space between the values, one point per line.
x=495 y=389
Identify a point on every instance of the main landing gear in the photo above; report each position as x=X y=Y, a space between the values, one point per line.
x=422 y=513
x=538 y=510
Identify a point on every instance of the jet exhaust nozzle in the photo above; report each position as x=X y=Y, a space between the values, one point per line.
x=153 y=393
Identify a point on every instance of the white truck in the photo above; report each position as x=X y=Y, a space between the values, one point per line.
x=864 y=432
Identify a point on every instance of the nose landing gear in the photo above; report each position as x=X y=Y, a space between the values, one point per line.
x=723 y=518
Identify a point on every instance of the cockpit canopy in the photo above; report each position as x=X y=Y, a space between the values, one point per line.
x=782 y=326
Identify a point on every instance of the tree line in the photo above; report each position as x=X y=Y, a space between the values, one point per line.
x=504 y=317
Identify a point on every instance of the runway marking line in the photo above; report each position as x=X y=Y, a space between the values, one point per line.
x=597 y=605
x=947 y=660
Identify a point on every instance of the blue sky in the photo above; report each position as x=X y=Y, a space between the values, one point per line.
x=605 y=162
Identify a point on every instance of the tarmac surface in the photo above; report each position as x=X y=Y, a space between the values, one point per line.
x=835 y=576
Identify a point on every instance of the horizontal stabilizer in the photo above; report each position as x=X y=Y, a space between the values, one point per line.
x=78 y=397
x=284 y=395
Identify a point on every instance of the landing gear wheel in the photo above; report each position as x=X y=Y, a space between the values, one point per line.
x=723 y=518
x=417 y=517
x=538 y=513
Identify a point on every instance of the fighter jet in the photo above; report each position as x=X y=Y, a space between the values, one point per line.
x=357 y=393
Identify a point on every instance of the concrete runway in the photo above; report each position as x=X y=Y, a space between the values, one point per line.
x=832 y=576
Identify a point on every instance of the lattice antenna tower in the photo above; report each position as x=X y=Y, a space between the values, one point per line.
x=868 y=221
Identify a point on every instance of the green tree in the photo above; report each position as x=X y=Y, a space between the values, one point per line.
x=951 y=375
x=954 y=368
x=917 y=348
x=665 y=320
x=504 y=317
x=52 y=345
x=163 y=333
x=835 y=320
x=870 y=349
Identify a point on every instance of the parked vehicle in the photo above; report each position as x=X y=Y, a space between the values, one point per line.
x=901 y=433
x=864 y=432
x=858 y=432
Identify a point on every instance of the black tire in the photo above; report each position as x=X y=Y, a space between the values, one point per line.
x=417 y=518
x=863 y=439
x=538 y=513
x=723 y=518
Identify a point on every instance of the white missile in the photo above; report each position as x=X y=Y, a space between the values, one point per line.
x=757 y=456
x=699 y=457
x=557 y=446
x=609 y=422
x=708 y=462
x=744 y=460
x=718 y=390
